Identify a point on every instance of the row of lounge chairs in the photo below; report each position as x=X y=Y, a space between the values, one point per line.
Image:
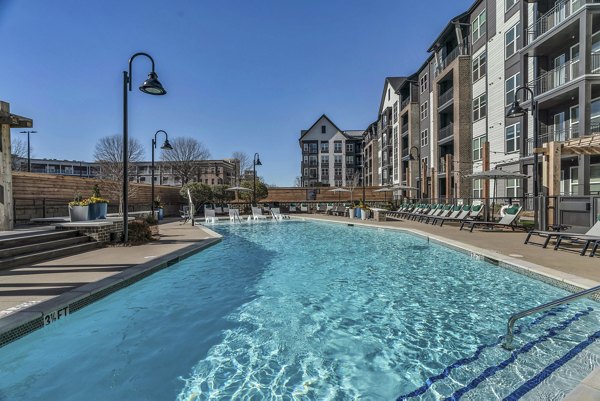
x=588 y=240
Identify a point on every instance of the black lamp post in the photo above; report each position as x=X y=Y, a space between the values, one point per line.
x=150 y=86
x=515 y=111
x=165 y=146
x=28 y=149
x=418 y=159
x=255 y=162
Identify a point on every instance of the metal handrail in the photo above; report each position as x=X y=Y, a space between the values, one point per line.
x=508 y=338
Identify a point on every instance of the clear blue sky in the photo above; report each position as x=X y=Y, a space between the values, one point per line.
x=241 y=75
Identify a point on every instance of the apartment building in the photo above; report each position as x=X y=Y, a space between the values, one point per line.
x=331 y=156
x=210 y=172
x=388 y=125
x=370 y=155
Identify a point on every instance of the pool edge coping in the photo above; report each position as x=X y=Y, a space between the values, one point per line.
x=34 y=317
x=556 y=278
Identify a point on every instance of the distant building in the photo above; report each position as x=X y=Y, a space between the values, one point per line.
x=330 y=156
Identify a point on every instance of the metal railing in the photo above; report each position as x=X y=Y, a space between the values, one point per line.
x=445 y=97
x=404 y=152
x=508 y=338
x=446 y=131
x=555 y=17
x=553 y=134
x=450 y=57
x=404 y=103
x=404 y=128
x=557 y=77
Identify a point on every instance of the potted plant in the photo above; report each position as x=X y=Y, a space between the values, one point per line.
x=364 y=212
x=159 y=207
x=78 y=208
x=98 y=205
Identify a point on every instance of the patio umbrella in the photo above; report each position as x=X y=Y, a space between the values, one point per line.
x=385 y=190
x=404 y=188
x=496 y=174
x=339 y=191
x=236 y=189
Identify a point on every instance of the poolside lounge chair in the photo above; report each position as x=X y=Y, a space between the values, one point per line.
x=433 y=212
x=462 y=214
x=509 y=220
x=592 y=236
x=304 y=208
x=277 y=215
x=257 y=214
x=185 y=214
x=293 y=208
x=234 y=215
x=473 y=213
x=444 y=211
x=210 y=216
x=321 y=208
x=549 y=235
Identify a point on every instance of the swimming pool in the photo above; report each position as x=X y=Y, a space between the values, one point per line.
x=305 y=310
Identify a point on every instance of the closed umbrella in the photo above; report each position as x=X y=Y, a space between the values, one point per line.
x=339 y=191
x=496 y=174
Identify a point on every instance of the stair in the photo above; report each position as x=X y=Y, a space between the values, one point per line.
x=22 y=249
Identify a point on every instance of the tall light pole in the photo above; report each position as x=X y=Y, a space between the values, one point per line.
x=517 y=111
x=152 y=87
x=255 y=162
x=418 y=159
x=363 y=172
x=28 y=149
x=165 y=146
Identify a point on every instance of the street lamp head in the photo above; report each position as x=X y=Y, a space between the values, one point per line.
x=166 y=145
x=28 y=132
x=516 y=110
x=152 y=85
x=257 y=162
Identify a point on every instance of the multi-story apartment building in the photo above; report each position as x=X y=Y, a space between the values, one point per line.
x=330 y=156
x=210 y=172
x=388 y=127
x=370 y=155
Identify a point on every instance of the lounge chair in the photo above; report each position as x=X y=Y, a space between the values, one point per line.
x=277 y=215
x=293 y=208
x=234 y=215
x=444 y=211
x=592 y=236
x=185 y=214
x=549 y=235
x=462 y=215
x=433 y=212
x=453 y=213
x=509 y=220
x=303 y=208
x=210 y=216
x=321 y=208
x=474 y=213
x=257 y=214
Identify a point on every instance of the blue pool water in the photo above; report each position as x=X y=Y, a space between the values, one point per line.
x=289 y=311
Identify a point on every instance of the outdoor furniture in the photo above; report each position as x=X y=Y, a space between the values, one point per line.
x=257 y=214
x=444 y=211
x=509 y=220
x=321 y=208
x=277 y=215
x=591 y=236
x=304 y=208
x=210 y=216
x=434 y=211
x=556 y=232
x=462 y=215
x=234 y=215
x=473 y=213
x=185 y=214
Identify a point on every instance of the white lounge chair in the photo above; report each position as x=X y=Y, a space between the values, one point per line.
x=509 y=220
x=591 y=236
x=257 y=214
x=277 y=215
x=210 y=216
x=234 y=215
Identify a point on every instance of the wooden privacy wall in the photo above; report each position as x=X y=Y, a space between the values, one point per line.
x=323 y=194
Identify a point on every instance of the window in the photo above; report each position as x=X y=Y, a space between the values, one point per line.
x=512 y=187
x=337 y=159
x=510 y=3
x=349 y=148
x=512 y=84
x=510 y=39
x=323 y=129
x=305 y=147
x=324 y=147
x=423 y=83
x=325 y=172
x=349 y=160
x=594 y=179
x=212 y=181
x=479 y=64
x=424 y=109
x=313 y=147
x=337 y=146
x=479 y=107
x=305 y=172
x=479 y=26
x=337 y=172
x=478 y=148
x=424 y=137
x=395 y=112
x=324 y=159
x=478 y=188
x=512 y=137
x=388 y=93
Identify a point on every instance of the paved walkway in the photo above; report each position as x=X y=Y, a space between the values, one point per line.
x=567 y=265
x=31 y=284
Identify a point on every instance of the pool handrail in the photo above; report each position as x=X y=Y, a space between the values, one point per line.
x=508 y=338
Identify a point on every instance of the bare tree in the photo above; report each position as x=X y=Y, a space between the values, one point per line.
x=245 y=161
x=298 y=181
x=184 y=156
x=109 y=155
x=18 y=154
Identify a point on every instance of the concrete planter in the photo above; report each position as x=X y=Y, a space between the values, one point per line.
x=364 y=214
x=79 y=213
x=161 y=213
x=351 y=212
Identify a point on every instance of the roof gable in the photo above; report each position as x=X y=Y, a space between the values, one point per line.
x=394 y=83
x=323 y=117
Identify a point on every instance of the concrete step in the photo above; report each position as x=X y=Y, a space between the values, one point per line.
x=42 y=246
x=30 y=258
x=17 y=240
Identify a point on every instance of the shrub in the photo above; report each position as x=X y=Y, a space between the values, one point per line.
x=139 y=231
x=151 y=220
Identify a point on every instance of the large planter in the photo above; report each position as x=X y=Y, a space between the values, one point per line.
x=98 y=211
x=364 y=214
x=161 y=213
x=351 y=213
x=79 y=213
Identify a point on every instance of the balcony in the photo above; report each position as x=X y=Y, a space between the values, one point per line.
x=445 y=97
x=450 y=57
x=555 y=17
x=561 y=75
x=404 y=152
x=404 y=103
x=446 y=132
x=404 y=128
x=442 y=165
